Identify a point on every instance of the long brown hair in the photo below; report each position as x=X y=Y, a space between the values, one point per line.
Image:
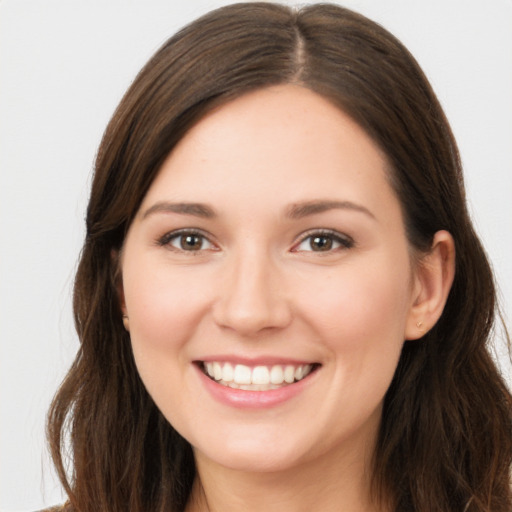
x=445 y=442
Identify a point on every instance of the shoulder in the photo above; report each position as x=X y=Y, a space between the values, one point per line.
x=58 y=508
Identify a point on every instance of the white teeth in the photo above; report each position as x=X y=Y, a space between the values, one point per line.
x=276 y=375
x=227 y=373
x=217 y=371
x=260 y=375
x=258 y=378
x=242 y=374
x=289 y=374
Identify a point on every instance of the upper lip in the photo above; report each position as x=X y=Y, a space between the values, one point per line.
x=255 y=361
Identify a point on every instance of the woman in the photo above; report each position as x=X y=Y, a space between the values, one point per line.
x=281 y=300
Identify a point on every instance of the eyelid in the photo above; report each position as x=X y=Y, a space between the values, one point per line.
x=344 y=240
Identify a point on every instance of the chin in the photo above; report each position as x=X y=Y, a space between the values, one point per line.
x=253 y=455
x=261 y=461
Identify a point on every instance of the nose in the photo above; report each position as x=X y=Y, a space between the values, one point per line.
x=253 y=297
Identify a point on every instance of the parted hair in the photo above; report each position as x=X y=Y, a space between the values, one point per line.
x=445 y=439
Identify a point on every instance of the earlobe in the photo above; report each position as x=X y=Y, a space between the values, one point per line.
x=433 y=280
x=122 y=303
x=118 y=284
x=126 y=322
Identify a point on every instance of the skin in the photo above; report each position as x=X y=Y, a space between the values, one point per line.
x=255 y=286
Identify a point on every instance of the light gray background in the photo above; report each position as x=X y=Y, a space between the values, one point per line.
x=63 y=68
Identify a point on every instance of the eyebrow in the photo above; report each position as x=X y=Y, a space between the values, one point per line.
x=300 y=210
x=195 y=209
x=295 y=211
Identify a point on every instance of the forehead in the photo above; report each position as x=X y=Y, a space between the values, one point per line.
x=284 y=143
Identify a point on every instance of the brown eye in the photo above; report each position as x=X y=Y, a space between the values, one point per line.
x=321 y=243
x=324 y=242
x=190 y=242
x=186 y=241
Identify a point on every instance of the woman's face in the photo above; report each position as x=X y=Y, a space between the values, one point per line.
x=268 y=283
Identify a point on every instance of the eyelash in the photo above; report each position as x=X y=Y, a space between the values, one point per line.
x=174 y=235
x=344 y=241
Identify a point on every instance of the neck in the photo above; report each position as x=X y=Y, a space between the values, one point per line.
x=333 y=482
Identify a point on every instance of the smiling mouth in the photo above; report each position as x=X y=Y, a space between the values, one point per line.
x=256 y=378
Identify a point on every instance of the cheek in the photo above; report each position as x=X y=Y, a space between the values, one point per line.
x=361 y=299
x=162 y=304
x=164 y=310
x=359 y=315
x=360 y=308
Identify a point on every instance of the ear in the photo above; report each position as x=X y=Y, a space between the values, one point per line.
x=433 y=279
x=117 y=279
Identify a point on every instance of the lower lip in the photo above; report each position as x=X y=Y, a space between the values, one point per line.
x=245 y=399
